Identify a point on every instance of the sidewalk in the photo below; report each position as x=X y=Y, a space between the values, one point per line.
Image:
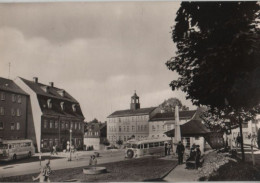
x=180 y=174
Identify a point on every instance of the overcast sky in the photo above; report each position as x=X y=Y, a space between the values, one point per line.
x=98 y=52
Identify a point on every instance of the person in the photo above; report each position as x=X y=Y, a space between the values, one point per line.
x=192 y=157
x=166 y=148
x=54 y=150
x=91 y=160
x=197 y=156
x=169 y=149
x=94 y=160
x=68 y=147
x=40 y=177
x=47 y=171
x=238 y=140
x=180 y=151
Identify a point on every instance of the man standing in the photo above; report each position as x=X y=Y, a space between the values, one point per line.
x=180 y=151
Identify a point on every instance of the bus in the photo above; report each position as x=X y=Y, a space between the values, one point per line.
x=16 y=149
x=135 y=149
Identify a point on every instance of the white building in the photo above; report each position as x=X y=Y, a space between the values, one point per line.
x=133 y=122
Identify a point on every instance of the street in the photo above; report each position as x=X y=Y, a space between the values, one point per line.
x=62 y=163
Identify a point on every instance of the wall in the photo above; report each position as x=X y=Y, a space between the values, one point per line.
x=8 y=118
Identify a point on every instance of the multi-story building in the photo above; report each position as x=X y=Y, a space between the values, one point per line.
x=162 y=122
x=95 y=133
x=133 y=122
x=55 y=116
x=13 y=110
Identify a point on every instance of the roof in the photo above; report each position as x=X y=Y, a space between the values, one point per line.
x=171 y=115
x=53 y=92
x=10 y=86
x=190 y=129
x=129 y=112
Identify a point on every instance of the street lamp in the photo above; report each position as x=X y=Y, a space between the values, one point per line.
x=70 y=143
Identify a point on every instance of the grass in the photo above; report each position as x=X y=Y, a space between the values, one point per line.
x=143 y=169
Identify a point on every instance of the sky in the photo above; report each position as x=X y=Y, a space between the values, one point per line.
x=99 y=52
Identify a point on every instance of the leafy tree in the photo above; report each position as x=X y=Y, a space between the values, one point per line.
x=169 y=105
x=218 y=58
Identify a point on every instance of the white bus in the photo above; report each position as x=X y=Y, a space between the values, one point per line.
x=16 y=149
x=135 y=149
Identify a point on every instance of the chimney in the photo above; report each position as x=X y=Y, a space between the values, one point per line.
x=35 y=79
x=51 y=84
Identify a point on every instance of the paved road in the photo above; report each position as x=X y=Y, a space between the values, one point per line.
x=57 y=164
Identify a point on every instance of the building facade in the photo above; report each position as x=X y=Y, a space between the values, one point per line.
x=56 y=116
x=162 y=122
x=95 y=133
x=131 y=123
x=13 y=111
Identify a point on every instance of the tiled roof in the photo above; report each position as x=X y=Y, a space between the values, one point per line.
x=192 y=128
x=9 y=85
x=53 y=92
x=129 y=112
x=171 y=115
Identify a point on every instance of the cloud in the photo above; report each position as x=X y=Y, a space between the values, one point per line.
x=98 y=52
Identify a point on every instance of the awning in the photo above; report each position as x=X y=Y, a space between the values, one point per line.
x=192 y=128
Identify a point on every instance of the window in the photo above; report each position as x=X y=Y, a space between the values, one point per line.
x=49 y=104
x=71 y=125
x=2 y=111
x=158 y=127
x=138 y=128
x=124 y=128
x=51 y=123
x=128 y=128
x=151 y=145
x=18 y=112
x=12 y=126
x=145 y=146
x=161 y=143
x=12 y=112
x=62 y=106
x=156 y=144
x=76 y=126
x=153 y=128
x=2 y=96
x=56 y=124
x=45 y=123
x=13 y=97
x=79 y=126
x=133 y=128
x=119 y=129
x=1 y=125
x=67 y=125
x=17 y=126
x=19 y=99
x=141 y=127
x=74 y=107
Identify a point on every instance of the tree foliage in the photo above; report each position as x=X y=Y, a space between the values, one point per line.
x=218 y=54
x=217 y=59
x=169 y=105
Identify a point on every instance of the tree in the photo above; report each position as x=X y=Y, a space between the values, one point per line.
x=169 y=105
x=218 y=57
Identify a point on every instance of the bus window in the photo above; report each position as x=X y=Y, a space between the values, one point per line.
x=145 y=146
x=139 y=146
x=151 y=145
x=3 y=146
x=161 y=143
x=134 y=146
x=156 y=144
x=28 y=144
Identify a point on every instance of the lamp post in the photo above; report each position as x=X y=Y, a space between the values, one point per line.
x=70 y=143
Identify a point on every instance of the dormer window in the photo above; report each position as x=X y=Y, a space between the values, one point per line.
x=74 y=107
x=45 y=88
x=62 y=106
x=61 y=93
x=49 y=104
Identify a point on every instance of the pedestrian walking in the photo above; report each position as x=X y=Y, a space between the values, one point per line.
x=47 y=171
x=239 y=140
x=68 y=147
x=197 y=156
x=180 y=151
x=54 y=150
x=166 y=149
x=169 y=149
